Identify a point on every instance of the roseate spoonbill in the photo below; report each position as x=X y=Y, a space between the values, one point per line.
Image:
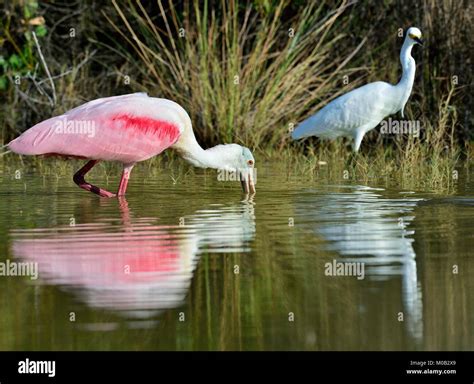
x=129 y=128
x=362 y=109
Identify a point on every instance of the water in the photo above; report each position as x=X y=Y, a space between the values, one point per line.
x=186 y=263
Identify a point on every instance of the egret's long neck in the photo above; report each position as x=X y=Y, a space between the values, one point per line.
x=408 y=66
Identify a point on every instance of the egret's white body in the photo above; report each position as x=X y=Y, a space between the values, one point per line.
x=360 y=110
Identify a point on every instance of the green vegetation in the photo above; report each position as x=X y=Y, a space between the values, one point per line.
x=248 y=71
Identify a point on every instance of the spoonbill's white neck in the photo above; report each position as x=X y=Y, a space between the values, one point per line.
x=227 y=157
x=199 y=157
x=218 y=157
x=408 y=76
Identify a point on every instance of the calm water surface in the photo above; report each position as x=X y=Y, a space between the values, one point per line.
x=187 y=263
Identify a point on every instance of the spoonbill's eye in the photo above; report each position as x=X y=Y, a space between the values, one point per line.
x=250 y=162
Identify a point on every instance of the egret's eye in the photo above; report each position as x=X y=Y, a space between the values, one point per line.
x=250 y=162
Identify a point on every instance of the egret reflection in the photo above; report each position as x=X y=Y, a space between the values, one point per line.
x=362 y=225
x=138 y=267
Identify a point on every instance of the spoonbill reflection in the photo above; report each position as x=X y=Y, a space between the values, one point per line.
x=137 y=268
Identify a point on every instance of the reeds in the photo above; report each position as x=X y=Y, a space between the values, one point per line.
x=248 y=72
x=241 y=72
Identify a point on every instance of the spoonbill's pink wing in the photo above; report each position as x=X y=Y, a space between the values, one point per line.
x=126 y=128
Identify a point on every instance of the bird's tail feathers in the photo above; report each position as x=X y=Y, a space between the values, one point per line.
x=298 y=134
x=303 y=130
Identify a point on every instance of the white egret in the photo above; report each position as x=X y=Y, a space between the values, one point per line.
x=362 y=109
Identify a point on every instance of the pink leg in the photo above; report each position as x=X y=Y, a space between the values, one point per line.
x=124 y=180
x=79 y=180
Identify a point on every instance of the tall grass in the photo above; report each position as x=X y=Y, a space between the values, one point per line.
x=248 y=71
x=241 y=72
x=248 y=74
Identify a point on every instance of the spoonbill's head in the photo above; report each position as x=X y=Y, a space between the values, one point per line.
x=414 y=36
x=239 y=161
x=248 y=175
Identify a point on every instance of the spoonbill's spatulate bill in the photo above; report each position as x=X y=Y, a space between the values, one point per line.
x=362 y=109
x=129 y=129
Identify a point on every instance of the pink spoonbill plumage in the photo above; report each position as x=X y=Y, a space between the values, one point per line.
x=129 y=129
